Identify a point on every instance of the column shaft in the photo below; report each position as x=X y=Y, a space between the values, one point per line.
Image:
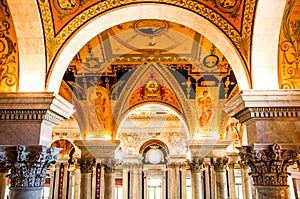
x=220 y=165
x=231 y=180
x=109 y=185
x=2 y=183
x=246 y=186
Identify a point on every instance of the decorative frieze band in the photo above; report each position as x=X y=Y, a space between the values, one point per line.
x=268 y=163
x=267 y=112
x=29 y=115
x=27 y=165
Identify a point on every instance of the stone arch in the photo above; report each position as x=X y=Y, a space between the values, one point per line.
x=31 y=45
x=266 y=33
x=147 y=11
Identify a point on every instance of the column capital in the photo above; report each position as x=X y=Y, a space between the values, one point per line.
x=268 y=162
x=219 y=163
x=28 y=164
x=109 y=165
x=86 y=165
x=196 y=164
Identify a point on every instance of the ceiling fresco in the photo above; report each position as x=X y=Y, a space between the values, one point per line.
x=9 y=69
x=289 y=49
x=145 y=62
x=63 y=18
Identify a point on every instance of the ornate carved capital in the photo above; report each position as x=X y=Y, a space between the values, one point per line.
x=219 y=163
x=86 y=165
x=196 y=164
x=109 y=166
x=268 y=163
x=28 y=165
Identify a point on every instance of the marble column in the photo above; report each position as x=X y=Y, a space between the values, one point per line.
x=135 y=186
x=246 y=184
x=125 y=182
x=28 y=165
x=197 y=166
x=220 y=165
x=231 y=177
x=175 y=179
x=268 y=164
x=86 y=168
x=109 y=178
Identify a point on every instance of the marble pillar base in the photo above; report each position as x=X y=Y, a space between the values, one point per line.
x=271 y=192
x=22 y=193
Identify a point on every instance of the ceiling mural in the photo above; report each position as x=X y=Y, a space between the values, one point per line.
x=9 y=64
x=62 y=18
x=146 y=61
x=289 y=49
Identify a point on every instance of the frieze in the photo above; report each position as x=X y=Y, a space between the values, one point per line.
x=34 y=114
x=268 y=164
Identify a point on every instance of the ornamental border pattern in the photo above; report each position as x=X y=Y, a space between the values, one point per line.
x=29 y=115
x=267 y=112
x=242 y=40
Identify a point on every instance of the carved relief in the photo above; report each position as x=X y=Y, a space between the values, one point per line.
x=219 y=163
x=86 y=165
x=196 y=164
x=28 y=165
x=268 y=163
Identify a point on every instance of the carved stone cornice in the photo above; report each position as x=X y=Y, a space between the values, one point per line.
x=86 y=165
x=249 y=104
x=28 y=164
x=196 y=164
x=30 y=115
x=220 y=163
x=268 y=162
x=34 y=106
x=248 y=114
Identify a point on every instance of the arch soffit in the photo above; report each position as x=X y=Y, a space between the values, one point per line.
x=146 y=11
x=266 y=33
x=25 y=25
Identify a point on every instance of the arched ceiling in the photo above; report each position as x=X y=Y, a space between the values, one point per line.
x=146 y=61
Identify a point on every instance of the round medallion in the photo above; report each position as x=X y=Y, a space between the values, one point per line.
x=66 y=6
x=210 y=61
x=228 y=6
x=154 y=156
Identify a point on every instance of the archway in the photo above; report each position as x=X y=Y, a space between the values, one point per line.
x=146 y=11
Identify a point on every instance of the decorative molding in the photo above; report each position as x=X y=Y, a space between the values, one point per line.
x=248 y=114
x=30 y=115
x=268 y=162
x=28 y=164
